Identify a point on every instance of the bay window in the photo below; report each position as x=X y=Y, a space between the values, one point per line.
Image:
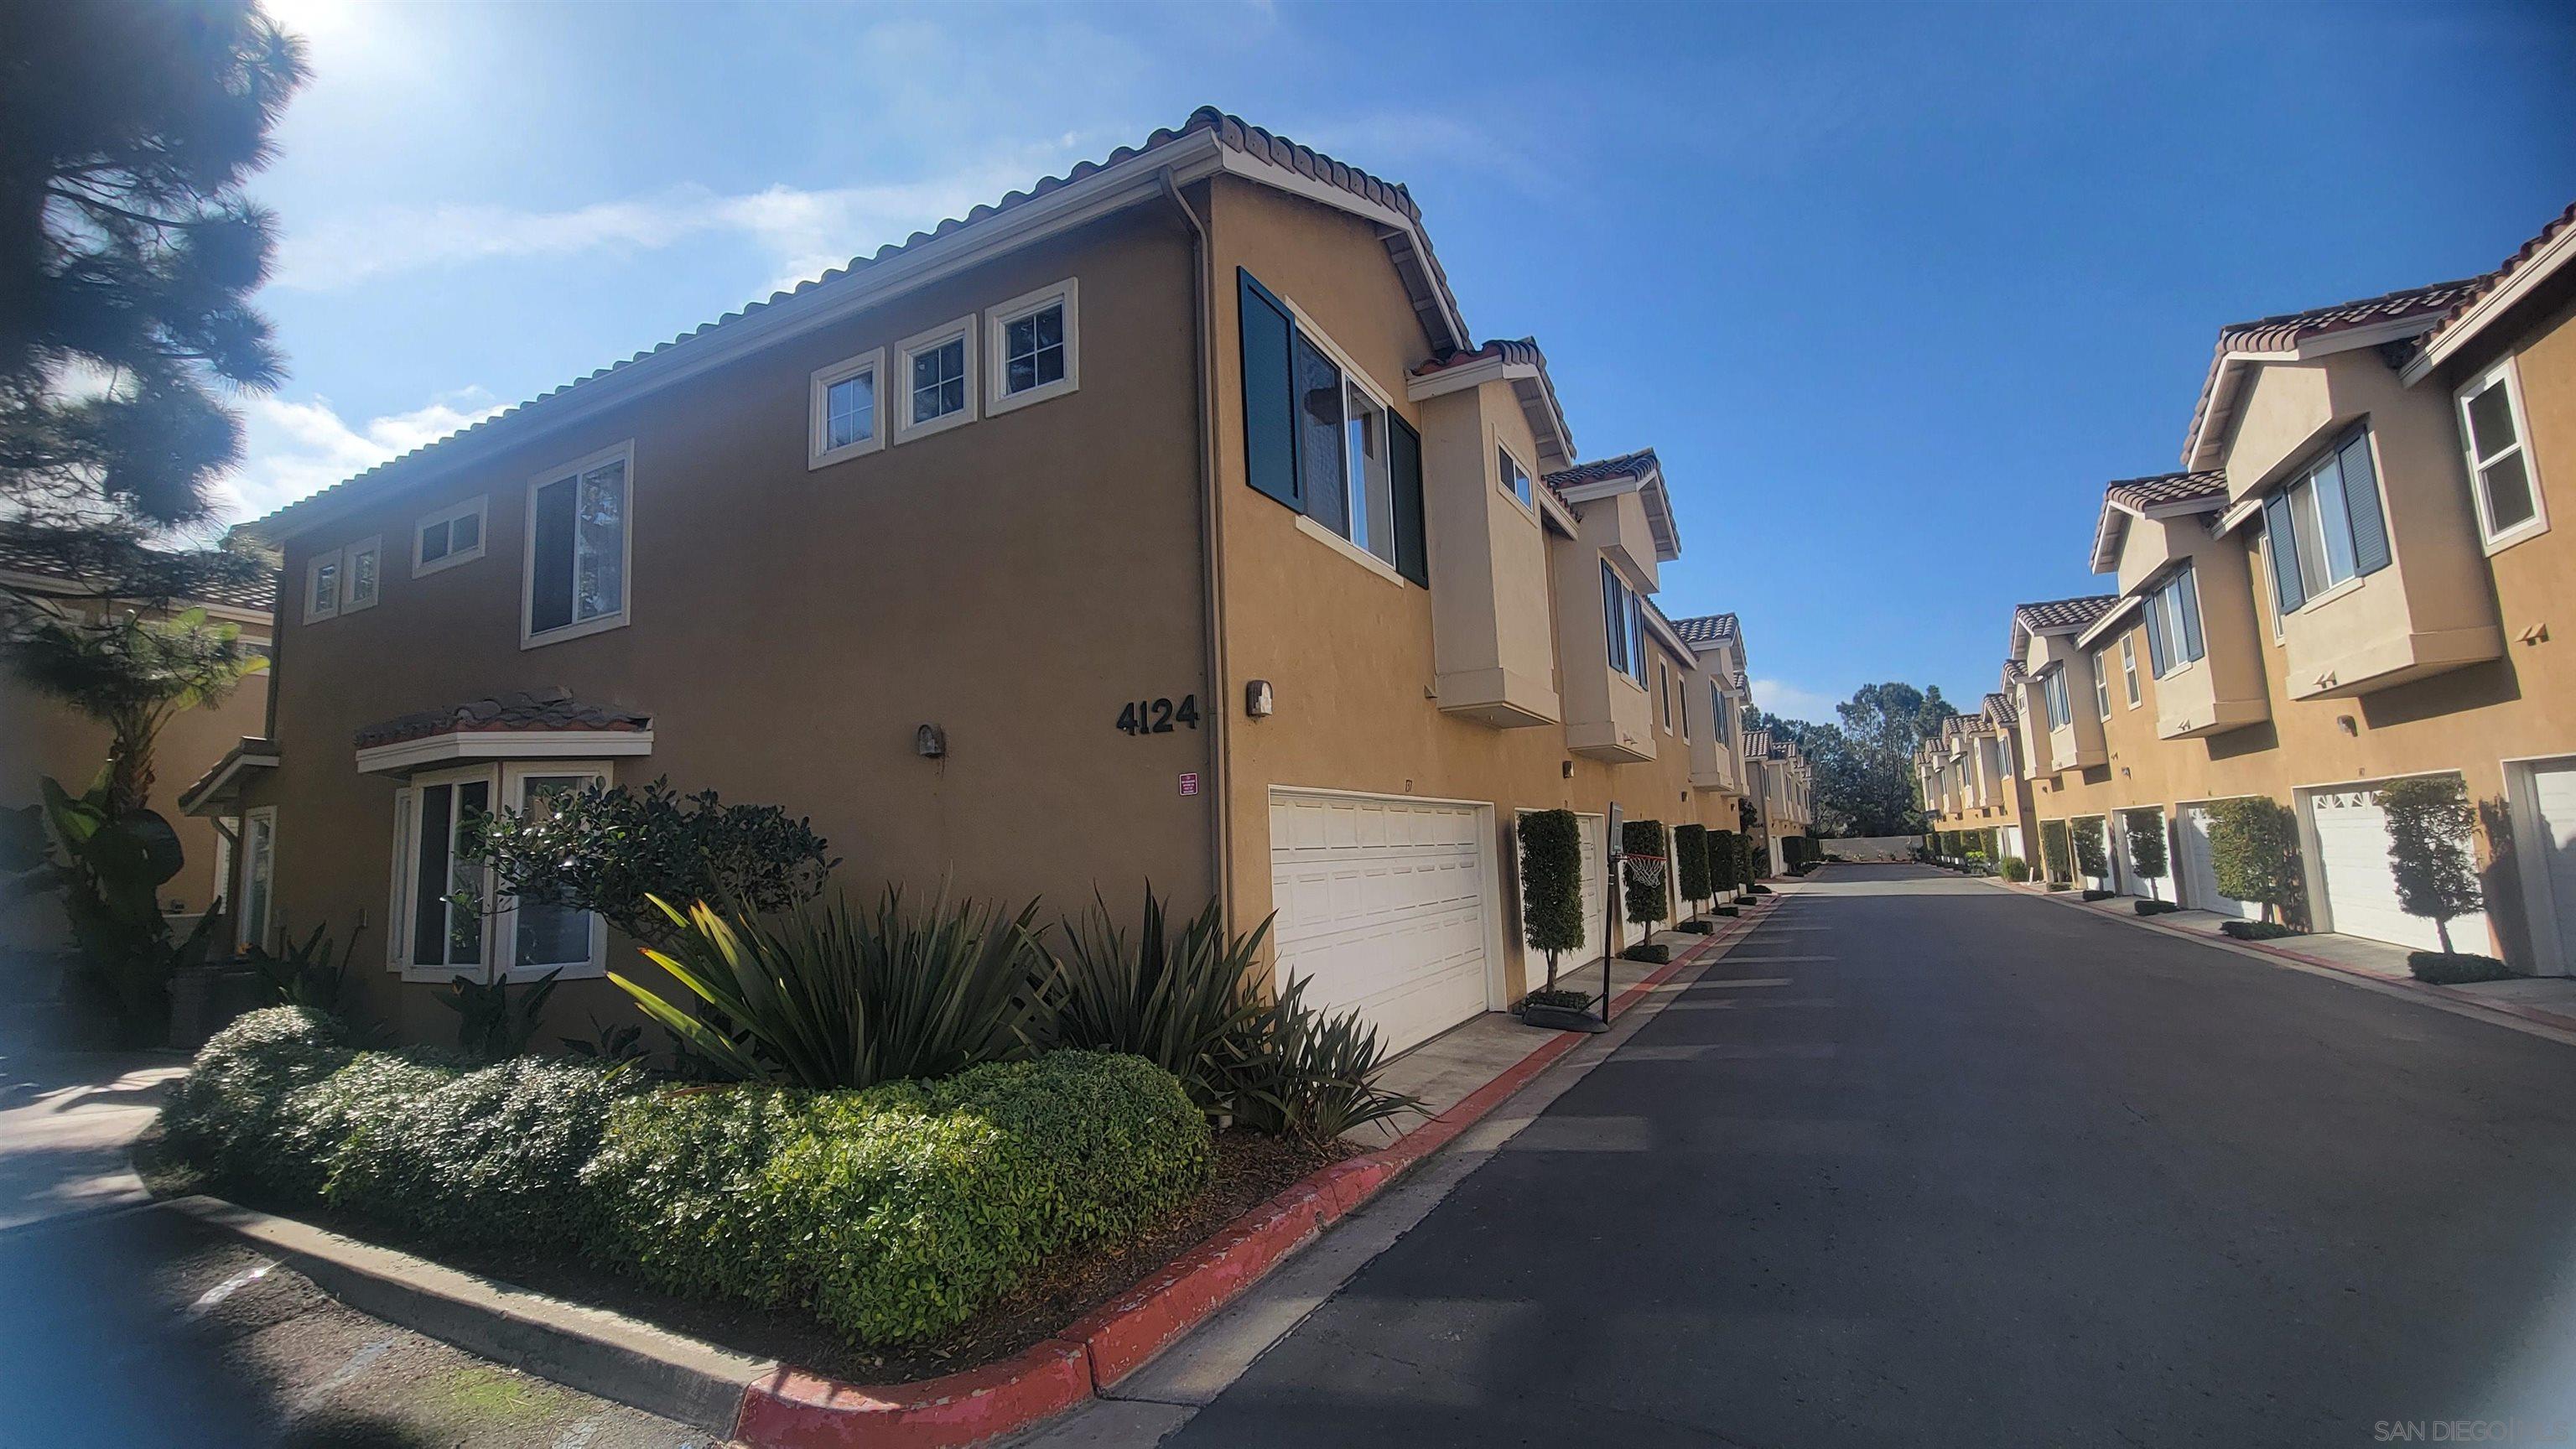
x=449 y=919
x=2061 y=711
x=2326 y=527
x=2173 y=623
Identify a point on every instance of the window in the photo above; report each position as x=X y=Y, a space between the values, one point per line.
x=2061 y=712
x=1717 y=717
x=578 y=544
x=1664 y=692
x=1372 y=507
x=344 y=580
x=2326 y=528
x=842 y=409
x=2101 y=685
x=448 y=537
x=322 y=587
x=259 y=875
x=2492 y=434
x=1514 y=478
x=447 y=920
x=1623 y=619
x=2173 y=623
x=1036 y=347
x=2129 y=664
x=933 y=370
x=366 y=574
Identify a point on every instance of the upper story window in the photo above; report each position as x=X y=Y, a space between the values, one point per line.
x=1514 y=478
x=934 y=369
x=2494 y=434
x=1035 y=340
x=845 y=419
x=1321 y=439
x=2052 y=687
x=2326 y=528
x=578 y=547
x=449 y=537
x=2173 y=622
x=1664 y=692
x=1623 y=620
x=1719 y=728
x=344 y=580
x=2129 y=664
x=2101 y=685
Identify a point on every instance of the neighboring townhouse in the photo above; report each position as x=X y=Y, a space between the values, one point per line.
x=40 y=737
x=2352 y=580
x=1973 y=780
x=1162 y=523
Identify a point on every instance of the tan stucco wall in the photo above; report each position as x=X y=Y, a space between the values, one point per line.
x=1013 y=580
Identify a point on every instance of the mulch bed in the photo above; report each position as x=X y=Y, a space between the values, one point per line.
x=1251 y=1168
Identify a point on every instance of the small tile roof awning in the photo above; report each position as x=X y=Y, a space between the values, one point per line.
x=519 y=724
x=2160 y=496
x=2055 y=616
x=1518 y=361
x=1706 y=629
x=2398 y=316
x=218 y=791
x=1645 y=472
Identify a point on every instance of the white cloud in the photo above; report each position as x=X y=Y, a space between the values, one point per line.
x=294 y=449
x=1791 y=701
x=804 y=233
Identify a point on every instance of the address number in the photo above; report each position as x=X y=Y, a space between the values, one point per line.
x=1157 y=716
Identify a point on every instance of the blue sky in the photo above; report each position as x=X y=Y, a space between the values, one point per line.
x=1856 y=273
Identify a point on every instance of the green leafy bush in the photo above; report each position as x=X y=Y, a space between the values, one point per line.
x=1304 y=1073
x=222 y=1117
x=2456 y=968
x=2091 y=851
x=488 y=1156
x=2258 y=930
x=2254 y=853
x=678 y=1192
x=317 y=1120
x=1561 y=1000
x=2146 y=832
x=1648 y=951
x=1690 y=860
x=2155 y=907
x=2430 y=822
x=2015 y=869
x=2055 y=852
x=1552 y=883
x=1174 y=998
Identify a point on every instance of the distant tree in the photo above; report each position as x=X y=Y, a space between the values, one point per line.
x=2429 y=824
x=1552 y=884
x=127 y=256
x=1864 y=766
x=2254 y=853
x=2146 y=846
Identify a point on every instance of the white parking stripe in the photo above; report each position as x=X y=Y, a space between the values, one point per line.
x=207 y=1300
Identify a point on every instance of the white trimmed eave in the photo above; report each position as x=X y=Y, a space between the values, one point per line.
x=404 y=756
x=2447 y=343
x=1649 y=486
x=208 y=800
x=1530 y=388
x=2103 y=626
x=2207 y=448
x=1135 y=181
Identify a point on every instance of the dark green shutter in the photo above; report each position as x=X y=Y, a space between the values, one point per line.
x=2361 y=504
x=1269 y=402
x=2287 y=594
x=1404 y=462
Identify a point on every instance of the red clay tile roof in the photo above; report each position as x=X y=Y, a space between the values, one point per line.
x=1522 y=350
x=1431 y=297
x=2001 y=710
x=248 y=745
x=1706 y=628
x=2503 y=273
x=2057 y=614
x=20 y=555
x=2290 y=329
x=1601 y=470
x=523 y=709
x=2166 y=488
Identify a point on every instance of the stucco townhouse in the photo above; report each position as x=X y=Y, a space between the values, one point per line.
x=1973 y=780
x=1161 y=523
x=2354 y=578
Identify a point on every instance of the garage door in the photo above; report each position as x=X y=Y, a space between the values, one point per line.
x=1381 y=906
x=2011 y=838
x=2553 y=797
x=2196 y=873
x=2132 y=883
x=2361 y=886
x=1595 y=831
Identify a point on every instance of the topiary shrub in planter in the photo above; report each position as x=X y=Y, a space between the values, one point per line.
x=2254 y=853
x=2258 y=930
x=2456 y=968
x=1690 y=864
x=2055 y=852
x=2015 y=869
x=2091 y=858
x=1649 y=952
x=1559 y=999
x=1696 y=928
x=2429 y=824
x=2156 y=908
x=2146 y=832
x=1645 y=899
x=1552 y=884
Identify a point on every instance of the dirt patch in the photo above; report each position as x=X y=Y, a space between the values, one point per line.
x=1250 y=1169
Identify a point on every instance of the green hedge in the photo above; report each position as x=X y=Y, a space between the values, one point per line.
x=896 y=1213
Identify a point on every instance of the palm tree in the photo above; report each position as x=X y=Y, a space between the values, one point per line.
x=133 y=675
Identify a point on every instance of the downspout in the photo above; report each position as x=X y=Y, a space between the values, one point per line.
x=1220 y=711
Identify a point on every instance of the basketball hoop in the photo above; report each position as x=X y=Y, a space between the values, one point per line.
x=1645 y=870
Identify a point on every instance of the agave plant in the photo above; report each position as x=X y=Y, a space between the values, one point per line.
x=831 y=998
x=1302 y=1073
x=1173 y=998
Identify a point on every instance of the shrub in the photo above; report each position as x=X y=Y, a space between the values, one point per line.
x=493 y=1022
x=2455 y=968
x=1653 y=953
x=1173 y=998
x=1300 y=1072
x=317 y=1120
x=2058 y=887
x=488 y=1156
x=1690 y=860
x=1645 y=900
x=2094 y=894
x=1552 y=883
x=1725 y=910
x=678 y=1192
x=2254 y=853
x=1695 y=928
x=1725 y=861
x=2258 y=930
x=2015 y=869
x=2090 y=851
x=222 y=1116
x=2155 y=907
x=2054 y=850
x=2429 y=824
x=831 y=999
x=2146 y=830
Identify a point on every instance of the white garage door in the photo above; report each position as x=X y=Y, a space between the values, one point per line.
x=2132 y=883
x=1381 y=906
x=2198 y=874
x=2553 y=795
x=2360 y=884
x=1595 y=832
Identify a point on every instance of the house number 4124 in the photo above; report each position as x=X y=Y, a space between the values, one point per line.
x=1157 y=716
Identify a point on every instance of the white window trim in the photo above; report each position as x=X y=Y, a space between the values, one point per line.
x=500 y=926
x=479 y=509
x=528 y=637
x=2101 y=686
x=241 y=924
x=349 y=602
x=1353 y=375
x=819 y=452
x=2508 y=376
x=313 y=575
x=1504 y=450
x=2129 y=664
x=999 y=401
x=1351 y=551
x=905 y=429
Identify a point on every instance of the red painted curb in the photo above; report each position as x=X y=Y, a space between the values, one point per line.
x=793 y=1410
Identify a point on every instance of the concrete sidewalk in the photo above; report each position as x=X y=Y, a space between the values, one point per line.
x=67 y=1120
